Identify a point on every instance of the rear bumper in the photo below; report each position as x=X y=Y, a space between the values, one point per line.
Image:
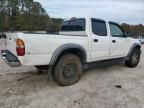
x=10 y=59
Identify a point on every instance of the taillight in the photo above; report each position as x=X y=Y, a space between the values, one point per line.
x=20 y=47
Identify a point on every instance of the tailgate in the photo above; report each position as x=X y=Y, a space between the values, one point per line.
x=11 y=42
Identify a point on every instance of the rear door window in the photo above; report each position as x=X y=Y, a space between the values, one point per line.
x=99 y=27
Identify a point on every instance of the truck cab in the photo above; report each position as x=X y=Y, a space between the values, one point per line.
x=106 y=38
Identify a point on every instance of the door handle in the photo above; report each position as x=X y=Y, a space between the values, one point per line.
x=114 y=41
x=95 y=40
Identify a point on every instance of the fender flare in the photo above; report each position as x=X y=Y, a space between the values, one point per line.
x=63 y=48
x=132 y=47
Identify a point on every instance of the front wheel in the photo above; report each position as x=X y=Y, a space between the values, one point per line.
x=68 y=70
x=133 y=59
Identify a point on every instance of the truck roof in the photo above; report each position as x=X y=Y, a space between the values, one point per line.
x=89 y=17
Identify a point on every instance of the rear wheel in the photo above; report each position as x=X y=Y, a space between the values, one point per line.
x=68 y=70
x=133 y=59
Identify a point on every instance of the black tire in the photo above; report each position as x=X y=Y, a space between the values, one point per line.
x=133 y=59
x=68 y=70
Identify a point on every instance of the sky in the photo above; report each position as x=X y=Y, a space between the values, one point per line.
x=122 y=11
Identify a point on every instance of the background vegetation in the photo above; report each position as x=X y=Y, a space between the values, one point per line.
x=135 y=30
x=27 y=15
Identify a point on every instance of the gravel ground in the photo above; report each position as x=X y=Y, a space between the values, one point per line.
x=113 y=86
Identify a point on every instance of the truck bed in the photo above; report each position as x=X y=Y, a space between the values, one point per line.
x=39 y=48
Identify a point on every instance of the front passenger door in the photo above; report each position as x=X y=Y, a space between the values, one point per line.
x=119 y=41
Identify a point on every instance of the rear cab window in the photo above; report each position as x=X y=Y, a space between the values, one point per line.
x=73 y=25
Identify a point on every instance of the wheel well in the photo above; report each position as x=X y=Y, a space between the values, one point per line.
x=137 y=47
x=81 y=54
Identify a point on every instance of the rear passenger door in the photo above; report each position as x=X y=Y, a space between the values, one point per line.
x=100 y=41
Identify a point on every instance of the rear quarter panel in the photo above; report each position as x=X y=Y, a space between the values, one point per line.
x=40 y=47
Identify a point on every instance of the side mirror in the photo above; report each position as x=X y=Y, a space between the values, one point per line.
x=126 y=34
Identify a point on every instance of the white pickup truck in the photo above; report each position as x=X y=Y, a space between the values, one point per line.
x=80 y=41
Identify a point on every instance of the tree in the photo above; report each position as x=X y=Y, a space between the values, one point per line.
x=135 y=30
x=22 y=15
x=54 y=25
